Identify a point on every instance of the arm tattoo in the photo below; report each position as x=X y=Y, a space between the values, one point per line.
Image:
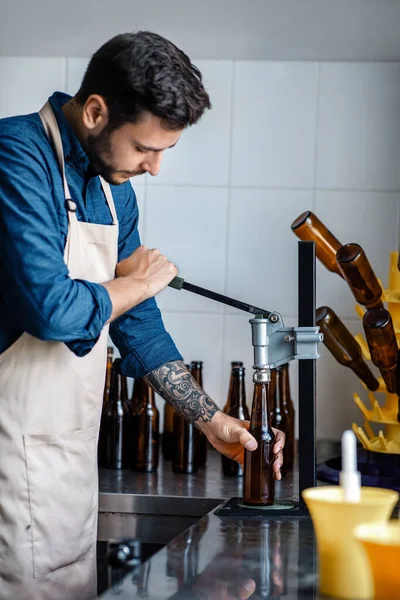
x=176 y=385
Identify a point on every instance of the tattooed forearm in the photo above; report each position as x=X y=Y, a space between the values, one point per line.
x=176 y=385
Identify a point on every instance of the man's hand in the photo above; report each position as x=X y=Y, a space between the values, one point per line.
x=230 y=436
x=139 y=277
x=148 y=268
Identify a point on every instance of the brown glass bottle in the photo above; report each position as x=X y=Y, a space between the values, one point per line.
x=185 y=446
x=234 y=363
x=124 y=389
x=116 y=425
x=360 y=276
x=136 y=398
x=107 y=384
x=344 y=346
x=168 y=433
x=237 y=408
x=282 y=412
x=381 y=338
x=196 y=369
x=146 y=422
x=308 y=227
x=259 y=483
x=101 y=448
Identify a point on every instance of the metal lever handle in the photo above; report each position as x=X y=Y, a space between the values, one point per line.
x=178 y=283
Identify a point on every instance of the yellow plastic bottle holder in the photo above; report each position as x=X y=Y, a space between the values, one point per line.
x=388 y=439
x=343 y=567
x=381 y=542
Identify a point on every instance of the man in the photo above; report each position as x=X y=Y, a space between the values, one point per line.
x=72 y=268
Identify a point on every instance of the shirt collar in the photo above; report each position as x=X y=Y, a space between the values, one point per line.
x=73 y=149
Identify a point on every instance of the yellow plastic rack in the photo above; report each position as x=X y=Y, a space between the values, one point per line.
x=387 y=440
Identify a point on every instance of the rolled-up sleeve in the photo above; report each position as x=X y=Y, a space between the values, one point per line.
x=139 y=334
x=35 y=285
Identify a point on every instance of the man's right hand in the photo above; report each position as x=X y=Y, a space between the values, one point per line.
x=140 y=276
x=147 y=268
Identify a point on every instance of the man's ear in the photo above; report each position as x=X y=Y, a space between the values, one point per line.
x=95 y=113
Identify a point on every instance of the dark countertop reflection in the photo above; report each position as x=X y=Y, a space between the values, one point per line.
x=208 y=482
x=222 y=557
x=228 y=558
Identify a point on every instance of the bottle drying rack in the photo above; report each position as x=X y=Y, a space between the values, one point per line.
x=379 y=457
x=388 y=440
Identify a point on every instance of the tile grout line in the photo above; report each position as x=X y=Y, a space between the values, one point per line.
x=277 y=189
x=228 y=211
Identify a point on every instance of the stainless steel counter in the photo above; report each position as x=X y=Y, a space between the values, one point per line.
x=216 y=556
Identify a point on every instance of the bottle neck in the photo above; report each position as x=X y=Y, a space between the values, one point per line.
x=107 y=385
x=237 y=396
x=260 y=415
x=197 y=375
x=116 y=387
x=148 y=396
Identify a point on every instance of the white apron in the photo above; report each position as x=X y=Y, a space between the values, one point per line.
x=50 y=406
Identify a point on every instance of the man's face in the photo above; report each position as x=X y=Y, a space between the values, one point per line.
x=133 y=149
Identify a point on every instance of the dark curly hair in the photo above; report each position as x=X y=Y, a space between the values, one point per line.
x=137 y=72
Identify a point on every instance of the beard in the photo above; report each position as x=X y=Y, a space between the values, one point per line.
x=98 y=149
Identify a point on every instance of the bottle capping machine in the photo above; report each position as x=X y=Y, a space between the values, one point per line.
x=275 y=345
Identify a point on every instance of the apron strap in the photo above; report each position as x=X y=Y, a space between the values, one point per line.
x=109 y=198
x=50 y=124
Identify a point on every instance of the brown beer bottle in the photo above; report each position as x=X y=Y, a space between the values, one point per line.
x=101 y=448
x=259 y=483
x=308 y=227
x=107 y=385
x=146 y=421
x=196 y=369
x=116 y=424
x=186 y=445
x=237 y=408
x=234 y=363
x=136 y=395
x=282 y=412
x=344 y=346
x=124 y=389
x=168 y=433
x=358 y=273
x=381 y=338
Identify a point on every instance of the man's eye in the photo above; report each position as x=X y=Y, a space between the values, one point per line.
x=140 y=150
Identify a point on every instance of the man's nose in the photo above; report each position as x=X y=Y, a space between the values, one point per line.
x=152 y=165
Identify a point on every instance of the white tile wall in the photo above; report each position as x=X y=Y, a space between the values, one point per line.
x=189 y=225
x=198 y=158
x=26 y=83
x=274 y=120
x=262 y=250
x=359 y=126
x=199 y=337
x=76 y=68
x=282 y=137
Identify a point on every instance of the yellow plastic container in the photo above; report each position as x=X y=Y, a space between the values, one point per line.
x=381 y=542
x=343 y=567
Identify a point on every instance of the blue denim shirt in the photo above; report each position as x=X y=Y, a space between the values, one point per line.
x=36 y=293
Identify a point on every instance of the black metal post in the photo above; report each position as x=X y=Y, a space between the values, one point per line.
x=307 y=419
